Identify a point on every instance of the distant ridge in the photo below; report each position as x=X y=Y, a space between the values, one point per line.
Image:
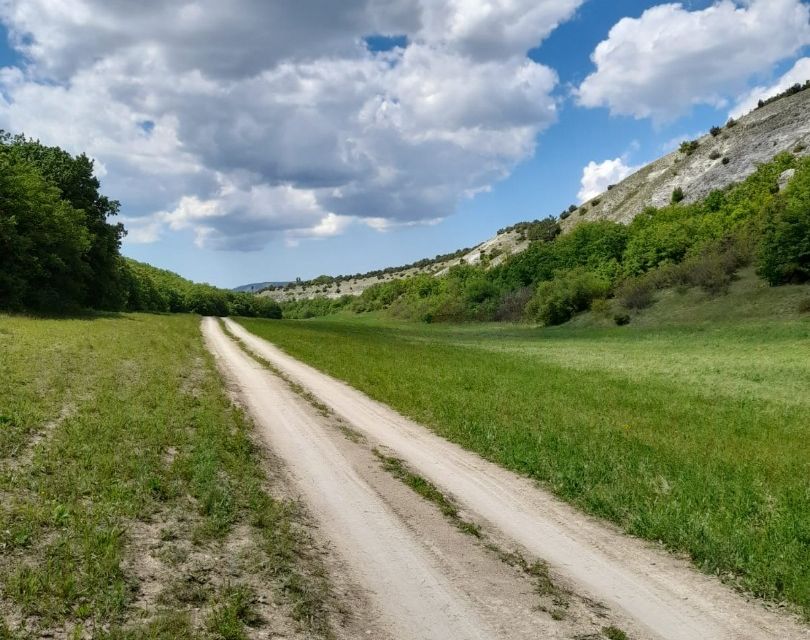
x=258 y=286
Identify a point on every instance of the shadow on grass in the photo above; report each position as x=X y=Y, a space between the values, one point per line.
x=73 y=314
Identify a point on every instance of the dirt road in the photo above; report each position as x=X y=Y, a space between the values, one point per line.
x=648 y=593
x=423 y=579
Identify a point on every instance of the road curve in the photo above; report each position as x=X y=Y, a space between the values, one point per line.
x=663 y=595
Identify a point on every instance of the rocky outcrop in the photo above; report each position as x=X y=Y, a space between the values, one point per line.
x=716 y=162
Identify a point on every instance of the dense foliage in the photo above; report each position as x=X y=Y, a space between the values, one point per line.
x=60 y=252
x=785 y=253
x=58 y=247
x=158 y=290
x=700 y=244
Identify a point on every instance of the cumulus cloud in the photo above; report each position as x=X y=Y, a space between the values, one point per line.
x=798 y=74
x=247 y=120
x=670 y=59
x=597 y=177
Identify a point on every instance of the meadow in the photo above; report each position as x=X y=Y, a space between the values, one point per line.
x=134 y=503
x=689 y=427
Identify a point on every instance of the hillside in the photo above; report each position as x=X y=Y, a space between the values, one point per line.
x=496 y=249
x=726 y=156
x=257 y=286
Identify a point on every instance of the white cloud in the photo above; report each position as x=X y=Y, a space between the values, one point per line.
x=237 y=217
x=269 y=119
x=596 y=178
x=493 y=28
x=799 y=73
x=670 y=59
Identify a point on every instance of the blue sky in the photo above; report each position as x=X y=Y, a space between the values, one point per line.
x=233 y=214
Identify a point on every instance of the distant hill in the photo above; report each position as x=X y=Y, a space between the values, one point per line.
x=727 y=155
x=257 y=286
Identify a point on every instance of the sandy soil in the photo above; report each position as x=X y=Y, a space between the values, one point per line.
x=651 y=593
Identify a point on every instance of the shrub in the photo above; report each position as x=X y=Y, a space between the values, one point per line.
x=595 y=202
x=712 y=272
x=726 y=160
x=600 y=306
x=731 y=123
x=688 y=147
x=785 y=248
x=543 y=230
x=513 y=304
x=799 y=148
x=677 y=195
x=712 y=268
x=564 y=215
x=715 y=131
x=714 y=155
x=621 y=319
x=804 y=305
x=556 y=301
x=636 y=293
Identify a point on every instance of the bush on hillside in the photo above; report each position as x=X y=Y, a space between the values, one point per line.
x=712 y=271
x=513 y=304
x=711 y=266
x=556 y=301
x=678 y=195
x=636 y=293
x=543 y=230
x=659 y=236
x=621 y=319
x=316 y=307
x=785 y=248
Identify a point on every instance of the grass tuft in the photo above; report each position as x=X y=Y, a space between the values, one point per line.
x=428 y=491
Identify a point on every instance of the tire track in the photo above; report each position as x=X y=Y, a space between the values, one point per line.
x=663 y=595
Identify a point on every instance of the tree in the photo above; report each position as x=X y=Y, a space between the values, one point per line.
x=785 y=248
x=543 y=230
x=73 y=177
x=43 y=241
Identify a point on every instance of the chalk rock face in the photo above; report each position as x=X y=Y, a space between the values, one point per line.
x=786 y=177
x=716 y=162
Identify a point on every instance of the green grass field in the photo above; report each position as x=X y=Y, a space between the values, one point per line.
x=133 y=501
x=690 y=427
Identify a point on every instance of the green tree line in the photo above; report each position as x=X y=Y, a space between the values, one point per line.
x=701 y=244
x=60 y=250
